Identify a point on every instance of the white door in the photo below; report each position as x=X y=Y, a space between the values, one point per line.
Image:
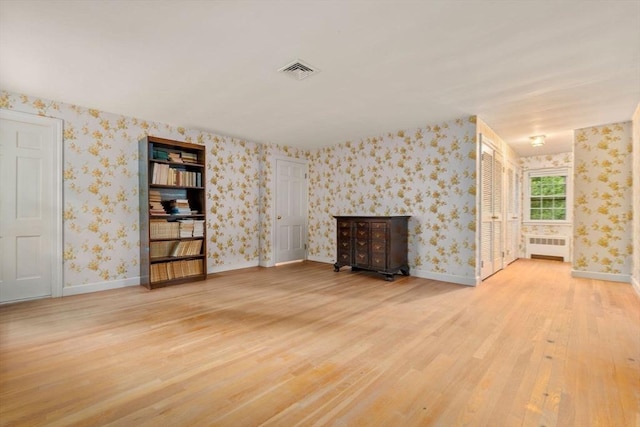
x=491 y=238
x=30 y=206
x=512 y=216
x=291 y=211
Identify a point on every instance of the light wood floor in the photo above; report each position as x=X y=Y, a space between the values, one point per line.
x=302 y=345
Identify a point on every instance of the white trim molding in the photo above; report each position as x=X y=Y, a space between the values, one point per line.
x=100 y=286
x=624 y=278
x=326 y=260
x=229 y=267
x=450 y=278
x=636 y=285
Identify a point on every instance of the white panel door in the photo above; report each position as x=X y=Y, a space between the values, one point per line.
x=291 y=211
x=28 y=208
x=491 y=212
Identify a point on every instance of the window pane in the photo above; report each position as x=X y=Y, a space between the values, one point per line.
x=547 y=214
x=548 y=198
x=535 y=186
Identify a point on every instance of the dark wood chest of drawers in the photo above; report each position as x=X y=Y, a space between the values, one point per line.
x=376 y=243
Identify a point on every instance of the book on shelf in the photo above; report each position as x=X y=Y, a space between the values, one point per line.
x=161 y=249
x=160 y=154
x=186 y=248
x=175 y=157
x=198 y=228
x=155 y=203
x=186 y=227
x=179 y=207
x=175 y=269
x=189 y=157
x=163 y=174
x=162 y=229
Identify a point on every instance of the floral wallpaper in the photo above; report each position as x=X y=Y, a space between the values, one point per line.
x=100 y=190
x=543 y=162
x=602 y=206
x=635 y=275
x=233 y=192
x=428 y=173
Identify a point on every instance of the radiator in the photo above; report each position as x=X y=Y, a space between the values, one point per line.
x=557 y=246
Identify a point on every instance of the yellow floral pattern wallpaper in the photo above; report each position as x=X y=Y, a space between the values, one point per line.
x=428 y=173
x=602 y=204
x=636 y=198
x=101 y=236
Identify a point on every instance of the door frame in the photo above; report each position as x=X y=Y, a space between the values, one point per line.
x=56 y=127
x=517 y=197
x=274 y=207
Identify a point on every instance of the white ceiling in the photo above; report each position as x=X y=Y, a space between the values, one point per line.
x=525 y=67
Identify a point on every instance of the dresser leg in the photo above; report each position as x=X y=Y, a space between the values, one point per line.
x=405 y=271
x=336 y=267
x=389 y=277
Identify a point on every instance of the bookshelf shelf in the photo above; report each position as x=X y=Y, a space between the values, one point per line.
x=172 y=212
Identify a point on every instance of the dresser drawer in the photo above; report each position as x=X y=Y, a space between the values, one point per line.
x=378 y=261
x=362 y=258
x=362 y=244
x=344 y=257
x=344 y=245
x=344 y=233
x=362 y=233
x=379 y=233
x=378 y=246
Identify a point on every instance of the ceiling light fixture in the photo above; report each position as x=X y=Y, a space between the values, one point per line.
x=537 y=141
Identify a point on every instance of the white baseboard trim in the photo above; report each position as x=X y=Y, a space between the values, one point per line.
x=458 y=280
x=624 y=278
x=229 y=267
x=635 y=282
x=326 y=260
x=99 y=286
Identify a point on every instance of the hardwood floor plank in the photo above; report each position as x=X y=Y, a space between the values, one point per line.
x=301 y=345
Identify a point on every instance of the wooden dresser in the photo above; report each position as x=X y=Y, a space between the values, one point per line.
x=376 y=243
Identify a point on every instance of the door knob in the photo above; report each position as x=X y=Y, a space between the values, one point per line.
x=279 y=216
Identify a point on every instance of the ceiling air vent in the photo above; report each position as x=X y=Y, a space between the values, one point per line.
x=298 y=70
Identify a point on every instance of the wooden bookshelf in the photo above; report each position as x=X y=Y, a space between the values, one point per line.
x=173 y=240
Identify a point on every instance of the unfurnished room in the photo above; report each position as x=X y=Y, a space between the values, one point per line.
x=319 y=213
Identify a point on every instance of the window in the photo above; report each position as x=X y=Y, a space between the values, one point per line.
x=548 y=196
